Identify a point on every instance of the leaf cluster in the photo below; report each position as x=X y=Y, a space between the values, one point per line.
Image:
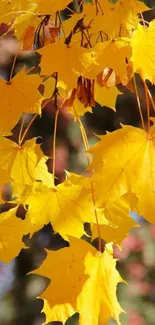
x=82 y=59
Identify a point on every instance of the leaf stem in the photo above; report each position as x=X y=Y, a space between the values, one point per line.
x=86 y=145
x=14 y=62
x=138 y=103
x=151 y=98
x=31 y=121
x=147 y=106
x=54 y=140
x=21 y=129
x=27 y=129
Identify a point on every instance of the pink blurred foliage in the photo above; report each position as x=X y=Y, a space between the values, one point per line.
x=135 y=318
x=136 y=270
x=153 y=231
x=139 y=287
x=62 y=156
x=131 y=243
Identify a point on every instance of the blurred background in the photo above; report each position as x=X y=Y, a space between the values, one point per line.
x=18 y=303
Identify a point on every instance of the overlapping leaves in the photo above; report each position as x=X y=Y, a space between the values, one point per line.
x=85 y=57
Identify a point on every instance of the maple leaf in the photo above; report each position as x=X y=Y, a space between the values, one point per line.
x=50 y=8
x=119 y=19
x=10 y=9
x=69 y=24
x=113 y=219
x=78 y=109
x=98 y=47
x=83 y=280
x=133 y=172
x=68 y=277
x=25 y=19
x=91 y=15
x=143 y=51
x=11 y=233
x=70 y=100
x=69 y=68
x=120 y=222
x=49 y=87
x=18 y=96
x=24 y=164
x=66 y=206
x=104 y=54
x=106 y=96
x=97 y=301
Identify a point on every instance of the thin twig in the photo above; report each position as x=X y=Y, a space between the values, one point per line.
x=86 y=145
x=147 y=106
x=138 y=103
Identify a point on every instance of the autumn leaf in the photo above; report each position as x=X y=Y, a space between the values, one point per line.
x=66 y=206
x=11 y=9
x=50 y=8
x=143 y=51
x=18 y=96
x=85 y=49
x=104 y=53
x=25 y=19
x=49 y=87
x=11 y=233
x=97 y=301
x=67 y=278
x=69 y=68
x=120 y=222
x=82 y=280
x=106 y=96
x=23 y=164
x=113 y=219
x=69 y=24
x=119 y=19
x=78 y=109
x=126 y=163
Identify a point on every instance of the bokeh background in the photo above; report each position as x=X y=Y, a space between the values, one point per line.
x=18 y=291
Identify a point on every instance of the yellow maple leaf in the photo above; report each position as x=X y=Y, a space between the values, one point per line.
x=42 y=174
x=106 y=96
x=51 y=7
x=83 y=280
x=24 y=164
x=74 y=106
x=114 y=221
x=49 y=86
x=119 y=19
x=92 y=13
x=143 y=51
x=25 y=19
x=120 y=222
x=11 y=233
x=18 y=96
x=124 y=161
x=70 y=23
x=97 y=301
x=66 y=206
x=104 y=54
x=78 y=109
x=69 y=68
x=67 y=275
x=10 y=9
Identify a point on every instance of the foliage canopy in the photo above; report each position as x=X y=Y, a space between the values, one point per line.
x=82 y=59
